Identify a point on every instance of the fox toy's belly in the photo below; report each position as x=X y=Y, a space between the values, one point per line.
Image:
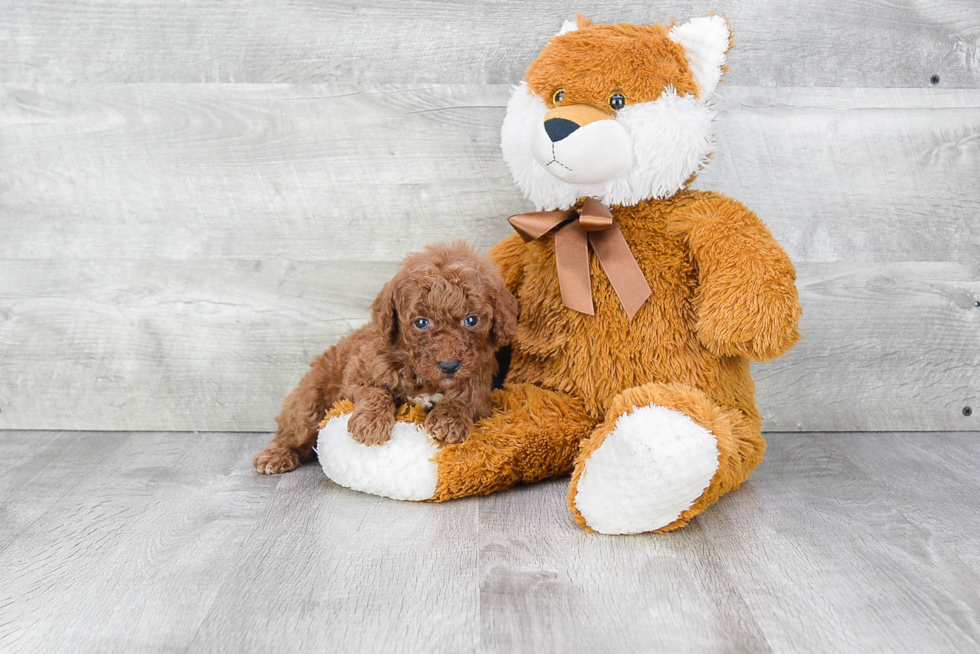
x=597 y=357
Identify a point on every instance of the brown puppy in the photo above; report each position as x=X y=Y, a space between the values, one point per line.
x=434 y=331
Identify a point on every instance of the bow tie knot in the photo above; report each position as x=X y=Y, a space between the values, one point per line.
x=575 y=231
x=595 y=222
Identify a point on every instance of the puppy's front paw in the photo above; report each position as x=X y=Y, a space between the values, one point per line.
x=370 y=427
x=447 y=426
x=275 y=459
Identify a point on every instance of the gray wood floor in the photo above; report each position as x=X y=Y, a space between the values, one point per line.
x=125 y=542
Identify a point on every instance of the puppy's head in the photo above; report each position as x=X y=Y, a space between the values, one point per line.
x=447 y=308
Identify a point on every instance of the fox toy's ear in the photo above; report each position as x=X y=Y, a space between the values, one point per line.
x=706 y=41
x=572 y=25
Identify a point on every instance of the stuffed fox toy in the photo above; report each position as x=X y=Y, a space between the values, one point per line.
x=642 y=302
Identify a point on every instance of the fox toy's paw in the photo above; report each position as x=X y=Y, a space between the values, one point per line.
x=759 y=327
x=642 y=472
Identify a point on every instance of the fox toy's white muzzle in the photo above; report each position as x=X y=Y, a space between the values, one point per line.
x=579 y=144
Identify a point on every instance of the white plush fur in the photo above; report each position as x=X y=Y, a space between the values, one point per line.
x=569 y=25
x=401 y=469
x=524 y=116
x=706 y=43
x=671 y=140
x=653 y=466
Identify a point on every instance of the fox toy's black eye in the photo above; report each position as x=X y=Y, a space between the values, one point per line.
x=471 y=321
x=421 y=323
x=617 y=101
x=558 y=96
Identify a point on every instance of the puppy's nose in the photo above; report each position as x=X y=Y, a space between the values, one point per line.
x=559 y=128
x=449 y=367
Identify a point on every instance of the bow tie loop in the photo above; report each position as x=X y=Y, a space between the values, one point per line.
x=575 y=231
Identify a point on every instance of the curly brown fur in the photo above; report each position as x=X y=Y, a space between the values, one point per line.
x=395 y=358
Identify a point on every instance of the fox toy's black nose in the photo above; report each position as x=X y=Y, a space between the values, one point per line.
x=559 y=128
x=449 y=367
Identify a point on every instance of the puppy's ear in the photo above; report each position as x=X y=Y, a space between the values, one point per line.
x=504 y=315
x=384 y=313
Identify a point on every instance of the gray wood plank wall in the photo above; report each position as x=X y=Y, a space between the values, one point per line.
x=174 y=248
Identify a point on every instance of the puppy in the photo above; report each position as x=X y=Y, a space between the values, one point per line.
x=433 y=335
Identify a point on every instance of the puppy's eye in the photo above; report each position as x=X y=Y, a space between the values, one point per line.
x=617 y=101
x=421 y=323
x=471 y=321
x=558 y=96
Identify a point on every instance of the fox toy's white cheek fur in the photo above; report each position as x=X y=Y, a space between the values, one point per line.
x=672 y=139
x=525 y=115
x=674 y=133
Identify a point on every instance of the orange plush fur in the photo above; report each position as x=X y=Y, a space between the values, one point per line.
x=589 y=66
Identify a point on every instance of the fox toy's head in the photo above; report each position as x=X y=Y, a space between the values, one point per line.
x=617 y=112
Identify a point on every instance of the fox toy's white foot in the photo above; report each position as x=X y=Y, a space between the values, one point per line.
x=650 y=468
x=402 y=468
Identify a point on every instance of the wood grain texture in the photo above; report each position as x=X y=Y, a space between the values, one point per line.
x=170 y=539
x=325 y=172
x=178 y=345
x=824 y=43
x=249 y=171
x=861 y=175
x=885 y=346
x=169 y=345
x=170 y=542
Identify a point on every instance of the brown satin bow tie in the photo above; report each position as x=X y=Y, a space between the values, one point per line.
x=576 y=230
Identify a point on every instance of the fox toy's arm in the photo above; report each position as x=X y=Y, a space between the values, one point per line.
x=747 y=302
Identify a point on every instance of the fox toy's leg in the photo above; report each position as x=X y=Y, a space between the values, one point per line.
x=533 y=434
x=664 y=453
